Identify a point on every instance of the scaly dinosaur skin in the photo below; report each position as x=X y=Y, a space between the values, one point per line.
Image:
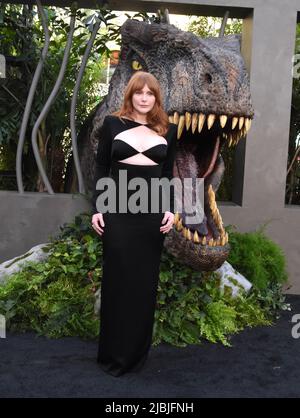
x=206 y=93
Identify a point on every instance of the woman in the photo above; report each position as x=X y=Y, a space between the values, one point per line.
x=138 y=141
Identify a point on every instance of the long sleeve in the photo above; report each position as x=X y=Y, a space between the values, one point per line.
x=102 y=160
x=167 y=170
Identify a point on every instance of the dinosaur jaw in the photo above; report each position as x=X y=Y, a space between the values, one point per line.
x=203 y=246
x=233 y=128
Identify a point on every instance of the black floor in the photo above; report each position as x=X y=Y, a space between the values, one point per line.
x=263 y=362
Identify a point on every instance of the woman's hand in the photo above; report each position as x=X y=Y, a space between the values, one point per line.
x=169 y=219
x=98 y=222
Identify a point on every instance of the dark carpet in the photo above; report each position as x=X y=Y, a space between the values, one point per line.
x=263 y=362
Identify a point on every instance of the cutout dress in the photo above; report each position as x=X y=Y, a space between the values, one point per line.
x=132 y=242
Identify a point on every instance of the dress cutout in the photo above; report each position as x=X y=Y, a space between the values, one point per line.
x=132 y=243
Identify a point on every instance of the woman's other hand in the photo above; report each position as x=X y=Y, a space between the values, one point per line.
x=98 y=223
x=169 y=219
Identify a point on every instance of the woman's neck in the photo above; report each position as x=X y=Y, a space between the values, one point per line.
x=139 y=117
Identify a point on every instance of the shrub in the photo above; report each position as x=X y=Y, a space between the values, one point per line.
x=56 y=297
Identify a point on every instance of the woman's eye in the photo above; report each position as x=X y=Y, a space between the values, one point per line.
x=136 y=65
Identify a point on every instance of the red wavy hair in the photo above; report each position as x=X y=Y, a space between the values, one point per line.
x=157 y=118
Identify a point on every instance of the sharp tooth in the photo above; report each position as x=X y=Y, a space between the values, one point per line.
x=179 y=225
x=220 y=218
x=171 y=119
x=203 y=241
x=234 y=121
x=201 y=122
x=188 y=120
x=235 y=138
x=247 y=124
x=226 y=237
x=194 y=121
x=188 y=234
x=218 y=242
x=210 y=120
x=241 y=122
x=211 y=242
x=223 y=240
x=223 y=120
x=176 y=218
x=230 y=140
x=180 y=126
x=176 y=117
x=196 y=238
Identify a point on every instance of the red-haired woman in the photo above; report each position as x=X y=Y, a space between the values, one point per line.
x=135 y=142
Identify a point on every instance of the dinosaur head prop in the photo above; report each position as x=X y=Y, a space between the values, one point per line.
x=206 y=92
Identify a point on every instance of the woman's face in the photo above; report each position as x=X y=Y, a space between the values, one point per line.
x=143 y=100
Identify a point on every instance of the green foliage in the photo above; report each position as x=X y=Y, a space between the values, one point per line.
x=56 y=297
x=257 y=257
x=21 y=41
x=293 y=163
x=192 y=306
x=206 y=26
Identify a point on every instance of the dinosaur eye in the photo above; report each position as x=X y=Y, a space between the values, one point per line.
x=136 y=65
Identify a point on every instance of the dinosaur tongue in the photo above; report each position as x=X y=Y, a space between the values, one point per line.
x=214 y=158
x=195 y=160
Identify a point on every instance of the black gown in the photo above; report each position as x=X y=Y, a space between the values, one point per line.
x=132 y=244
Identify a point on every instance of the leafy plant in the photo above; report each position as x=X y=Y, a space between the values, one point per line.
x=257 y=257
x=56 y=298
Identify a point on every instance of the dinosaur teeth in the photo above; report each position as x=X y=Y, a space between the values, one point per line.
x=214 y=209
x=180 y=127
x=196 y=120
x=201 y=122
x=176 y=117
x=194 y=236
x=234 y=122
x=210 y=120
x=247 y=124
x=241 y=122
x=188 y=120
x=223 y=120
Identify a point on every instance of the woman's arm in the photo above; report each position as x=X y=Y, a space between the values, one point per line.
x=102 y=160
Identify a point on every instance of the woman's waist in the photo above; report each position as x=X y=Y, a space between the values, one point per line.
x=125 y=172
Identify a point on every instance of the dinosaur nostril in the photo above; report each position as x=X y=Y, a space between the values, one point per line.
x=208 y=78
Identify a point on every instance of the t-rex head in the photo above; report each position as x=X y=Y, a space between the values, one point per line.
x=206 y=92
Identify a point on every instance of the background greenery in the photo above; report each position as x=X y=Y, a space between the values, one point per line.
x=56 y=298
x=21 y=40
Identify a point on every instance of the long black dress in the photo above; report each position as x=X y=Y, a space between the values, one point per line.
x=132 y=244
